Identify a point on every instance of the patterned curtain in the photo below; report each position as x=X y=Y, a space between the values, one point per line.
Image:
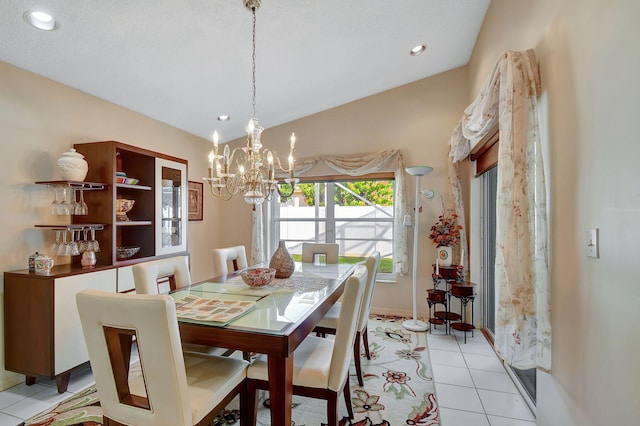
x=352 y=165
x=508 y=98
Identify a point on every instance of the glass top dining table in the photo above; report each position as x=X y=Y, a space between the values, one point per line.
x=285 y=312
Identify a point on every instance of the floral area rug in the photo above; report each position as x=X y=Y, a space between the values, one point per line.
x=398 y=389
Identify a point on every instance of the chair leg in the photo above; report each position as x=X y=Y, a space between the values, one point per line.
x=252 y=403
x=356 y=358
x=365 y=337
x=244 y=402
x=347 y=398
x=332 y=409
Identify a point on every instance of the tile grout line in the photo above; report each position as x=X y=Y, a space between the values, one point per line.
x=475 y=387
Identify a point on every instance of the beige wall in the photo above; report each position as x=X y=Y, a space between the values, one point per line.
x=589 y=64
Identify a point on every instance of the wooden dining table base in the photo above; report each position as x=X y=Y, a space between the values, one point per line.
x=280 y=389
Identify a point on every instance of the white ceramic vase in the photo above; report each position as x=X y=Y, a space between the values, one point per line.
x=444 y=255
x=73 y=166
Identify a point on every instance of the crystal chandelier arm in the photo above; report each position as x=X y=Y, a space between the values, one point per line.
x=278 y=163
x=233 y=154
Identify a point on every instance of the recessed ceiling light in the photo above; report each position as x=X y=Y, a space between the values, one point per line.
x=417 y=50
x=40 y=20
x=223 y=118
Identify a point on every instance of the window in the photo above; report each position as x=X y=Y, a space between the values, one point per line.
x=356 y=214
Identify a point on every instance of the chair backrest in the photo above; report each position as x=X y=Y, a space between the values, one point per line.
x=160 y=276
x=109 y=322
x=310 y=250
x=236 y=255
x=346 y=329
x=372 y=262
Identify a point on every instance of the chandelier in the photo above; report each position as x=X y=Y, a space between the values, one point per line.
x=246 y=170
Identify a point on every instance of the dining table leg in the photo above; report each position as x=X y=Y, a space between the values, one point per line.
x=280 y=389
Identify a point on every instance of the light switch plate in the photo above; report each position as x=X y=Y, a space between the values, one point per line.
x=593 y=246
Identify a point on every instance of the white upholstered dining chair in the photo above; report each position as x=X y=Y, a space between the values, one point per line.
x=235 y=256
x=311 y=250
x=329 y=323
x=320 y=366
x=173 y=389
x=164 y=275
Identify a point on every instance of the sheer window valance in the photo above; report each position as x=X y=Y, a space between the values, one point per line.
x=352 y=165
x=508 y=99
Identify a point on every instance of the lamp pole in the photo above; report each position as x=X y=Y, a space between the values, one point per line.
x=415 y=324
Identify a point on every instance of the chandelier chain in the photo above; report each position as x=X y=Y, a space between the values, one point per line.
x=253 y=59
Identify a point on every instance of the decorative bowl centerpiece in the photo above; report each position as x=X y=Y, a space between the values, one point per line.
x=257 y=277
x=123 y=206
x=124 y=253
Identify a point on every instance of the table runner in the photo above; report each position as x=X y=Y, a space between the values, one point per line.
x=297 y=284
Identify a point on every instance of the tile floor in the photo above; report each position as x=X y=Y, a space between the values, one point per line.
x=22 y=402
x=472 y=387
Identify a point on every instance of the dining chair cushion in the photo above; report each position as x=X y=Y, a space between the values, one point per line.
x=209 y=381
x=330 y=250
x=180 y=390
x=237 y=255
x=310 y=366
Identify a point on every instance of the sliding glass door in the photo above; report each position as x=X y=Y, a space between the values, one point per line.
x=526 y=378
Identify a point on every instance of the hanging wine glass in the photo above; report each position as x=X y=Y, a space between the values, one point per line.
x=64 y=208
x=93 y=244
x=81 y=207
x=62 y=247
x=55 y=247
x=54 y=206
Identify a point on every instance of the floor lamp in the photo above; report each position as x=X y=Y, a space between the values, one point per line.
x=418 y=171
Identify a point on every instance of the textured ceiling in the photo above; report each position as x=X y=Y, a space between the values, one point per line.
x=184 y=62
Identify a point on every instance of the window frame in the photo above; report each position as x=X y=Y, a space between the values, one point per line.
x=330 y=220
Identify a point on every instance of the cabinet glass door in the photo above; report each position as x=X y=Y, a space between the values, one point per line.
x=171 y=207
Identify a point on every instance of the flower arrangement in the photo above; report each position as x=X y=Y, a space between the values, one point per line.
x=446 y=231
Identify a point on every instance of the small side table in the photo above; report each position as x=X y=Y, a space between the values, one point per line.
x=435 y=297
x=444 y=276
x=466 y=292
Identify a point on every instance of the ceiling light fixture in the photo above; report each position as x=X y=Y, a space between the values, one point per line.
x=223 y=118
x=40 y=20
x=417 y=50
x=253 y=173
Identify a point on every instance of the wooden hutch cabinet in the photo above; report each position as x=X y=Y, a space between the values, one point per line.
x=152 y=226
x=42 y=330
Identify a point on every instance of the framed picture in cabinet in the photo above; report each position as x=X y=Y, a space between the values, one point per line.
x=195 y=200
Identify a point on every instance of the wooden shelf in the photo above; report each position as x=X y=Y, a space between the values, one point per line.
x=135 y=223
x=129 y=186
x=74 y=184
x=462 y=326
x=74 y=226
